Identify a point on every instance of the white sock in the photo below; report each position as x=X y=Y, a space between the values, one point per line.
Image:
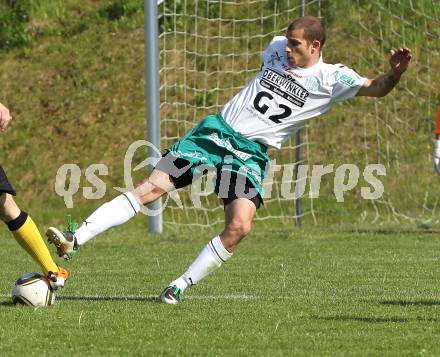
x=110 y=214
x=212 y=256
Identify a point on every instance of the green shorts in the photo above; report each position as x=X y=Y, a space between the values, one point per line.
x=241 y=164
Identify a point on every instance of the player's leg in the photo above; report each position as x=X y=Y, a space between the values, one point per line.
x=29 y=238
x=239 y=214
x=111 y=214
x=170 y=173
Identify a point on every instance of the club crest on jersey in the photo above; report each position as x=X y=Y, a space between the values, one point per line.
x=312 y=83
x=285 y=86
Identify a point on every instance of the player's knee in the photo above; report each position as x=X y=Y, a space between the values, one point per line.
x=147 y=192
x=246 y=229
x=8 y=208
x=156 y=193
x=240 y=228
x=3 y=216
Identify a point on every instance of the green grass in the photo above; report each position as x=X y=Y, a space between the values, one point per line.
x=74 y=80
x=308 y=292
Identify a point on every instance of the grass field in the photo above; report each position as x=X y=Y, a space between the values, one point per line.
x=309 y=292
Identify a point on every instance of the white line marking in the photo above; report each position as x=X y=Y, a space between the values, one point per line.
x=151 y=297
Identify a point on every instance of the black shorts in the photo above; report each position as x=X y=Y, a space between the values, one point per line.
x=5 y=185
x=169 y=166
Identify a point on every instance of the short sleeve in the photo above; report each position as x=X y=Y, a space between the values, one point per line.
x=345 y=82
x=275 y=51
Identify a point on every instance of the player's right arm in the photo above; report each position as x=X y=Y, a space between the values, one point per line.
x=5 y=117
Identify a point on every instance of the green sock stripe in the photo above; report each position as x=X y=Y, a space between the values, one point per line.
x=179 y=293
x=71 y=225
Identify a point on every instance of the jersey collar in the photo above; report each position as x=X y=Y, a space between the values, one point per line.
x=309 y=69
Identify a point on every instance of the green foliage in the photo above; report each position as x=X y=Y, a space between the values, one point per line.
x=74 y=80
x=13 y=19
x=120 y=8
x=23 y=22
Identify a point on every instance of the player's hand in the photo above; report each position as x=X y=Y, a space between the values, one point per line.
x=400 y=59
x=5 y=117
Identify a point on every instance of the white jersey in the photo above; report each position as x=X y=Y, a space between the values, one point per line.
x=281 y=98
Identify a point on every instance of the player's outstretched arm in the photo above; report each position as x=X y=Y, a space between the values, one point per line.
x=5 y=117
x=383 y=84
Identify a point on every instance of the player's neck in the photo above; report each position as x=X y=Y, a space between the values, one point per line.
x=311 y=63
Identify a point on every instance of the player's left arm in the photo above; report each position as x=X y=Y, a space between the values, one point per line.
x=383 y=84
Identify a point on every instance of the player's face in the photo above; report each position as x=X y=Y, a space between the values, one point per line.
x=300 y=52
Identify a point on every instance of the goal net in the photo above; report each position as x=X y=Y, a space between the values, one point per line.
x=209 y=50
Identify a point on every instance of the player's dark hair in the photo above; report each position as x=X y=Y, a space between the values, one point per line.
x=313 y=28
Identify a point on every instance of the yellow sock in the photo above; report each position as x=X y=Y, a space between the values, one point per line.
x=27 y=235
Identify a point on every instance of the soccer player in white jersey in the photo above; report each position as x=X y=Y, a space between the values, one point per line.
x=294 y=85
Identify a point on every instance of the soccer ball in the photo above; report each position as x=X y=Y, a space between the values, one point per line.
x=32 y=289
